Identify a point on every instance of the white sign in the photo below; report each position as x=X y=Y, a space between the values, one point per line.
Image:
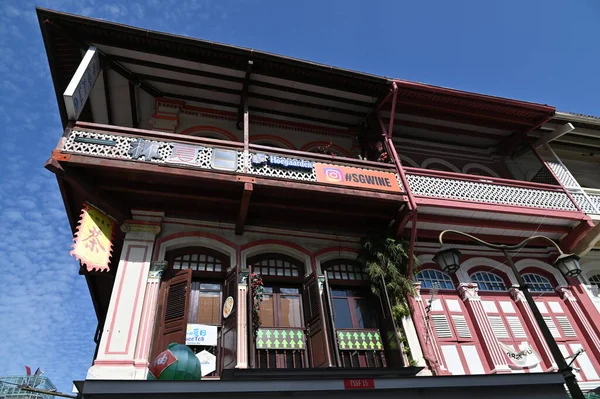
x=201 y=334
x=228 y=307
x=80 y=87
x=525 y=358
x=208 y=362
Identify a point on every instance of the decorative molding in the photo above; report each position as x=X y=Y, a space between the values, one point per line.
x=243 y=277
x=469 y=291
x=565 y=293
x=138 y=226
x=157 y=268
x=417 y=285
x=516 y=294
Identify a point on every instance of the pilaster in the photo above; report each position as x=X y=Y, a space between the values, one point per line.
x=242 y=321
x=129 y=317
x=431 y=350
x=588 y=331
x=519 y=298
x=470 y=296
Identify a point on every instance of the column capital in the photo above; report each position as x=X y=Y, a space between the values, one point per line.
x=565 y=293
x=417 y=286
x=157 y=268
x=516 y=294
x=141 y=226
x=469 y=291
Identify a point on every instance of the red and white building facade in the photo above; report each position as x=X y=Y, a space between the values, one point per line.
x=191 y=228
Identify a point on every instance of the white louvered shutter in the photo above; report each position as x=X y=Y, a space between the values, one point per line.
x=565 y=326
x=516 y=327
x=461 y=326
x=498 y=327
x=552 y=327
x=441 y=326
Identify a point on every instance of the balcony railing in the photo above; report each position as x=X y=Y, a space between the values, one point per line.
x=219 y=155
x=281 y=348
x=589 y=200
x=269 y=162
x=491 y=190
x=360 y=348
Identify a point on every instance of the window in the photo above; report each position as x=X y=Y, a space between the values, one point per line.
x=429 y=278
x=537 y=283
x=277 y=265
x=344 y=270
x=203 y=261
x=351 y=309
x=487 y=281
x=595 y=279
x=205 y=303
x=281 y=307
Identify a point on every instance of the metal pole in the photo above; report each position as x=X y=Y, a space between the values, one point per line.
x=563 y=367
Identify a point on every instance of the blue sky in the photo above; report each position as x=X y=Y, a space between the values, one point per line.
x=543 y=51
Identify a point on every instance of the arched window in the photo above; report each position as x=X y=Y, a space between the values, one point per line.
x=276 y=265
x=595 y=279
x=343 y=269
x=537 y=283
x=281 y=311
x=429 y=278
x=487 y=281
x=203 y=260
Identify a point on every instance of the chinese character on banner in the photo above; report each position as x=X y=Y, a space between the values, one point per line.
x=93 y=239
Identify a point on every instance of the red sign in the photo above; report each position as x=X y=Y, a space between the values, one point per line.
x=360 y=383
x=356 y=177
x=162 y=361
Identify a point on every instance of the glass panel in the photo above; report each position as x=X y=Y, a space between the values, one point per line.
x=268 y=290
x=218 y=267
x=202 y=258
x=289 y=290
x=290 y=311
x=339 y=292
x=280 y=272
x=288 y=272
x=295 y=272
x=195 y=257
x=267 y=312
x=363 y=315
x=209 y=308
x=176 y=265
x=341 y=310
x=210 y=287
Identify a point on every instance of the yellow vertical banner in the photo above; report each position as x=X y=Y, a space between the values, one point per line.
x=93 y=239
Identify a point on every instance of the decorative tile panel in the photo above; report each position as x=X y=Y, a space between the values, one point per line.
x=438 y=187
x=276 y=338
x=359 y=340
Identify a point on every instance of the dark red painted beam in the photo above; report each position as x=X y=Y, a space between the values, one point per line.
x=244 y=205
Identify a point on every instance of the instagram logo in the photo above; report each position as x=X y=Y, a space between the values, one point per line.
x=333 y=174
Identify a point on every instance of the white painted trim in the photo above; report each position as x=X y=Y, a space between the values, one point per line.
x=330 y=255
x=523 y=263
x=441 y=162
x=463 y=272
x=192 y=241
x=276 y=248
x=470 y=166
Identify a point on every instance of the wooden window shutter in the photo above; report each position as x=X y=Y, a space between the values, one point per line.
x=461 y=326
x=314 y=321
x=516 y=327
x=173 y=306
x=389 y=335
x=498 y=327
x=441 y=326
x=566 y=326
x=229 y=332
x=552 y=326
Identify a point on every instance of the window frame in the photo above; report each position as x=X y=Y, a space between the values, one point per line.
x=277 y=304
x=351 y=300
x=594 y=279
x=278 y=280
x=199 y=250
x=533 y=284
x=489 y=282
x=450 y=280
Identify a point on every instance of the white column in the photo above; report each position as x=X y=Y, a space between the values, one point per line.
x=147 y=323
x=116 y=352
x=242 y=322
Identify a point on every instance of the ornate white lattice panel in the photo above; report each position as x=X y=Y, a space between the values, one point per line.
x=123 y=147
x=563 y=174
x=592 y=206
x=491 y=193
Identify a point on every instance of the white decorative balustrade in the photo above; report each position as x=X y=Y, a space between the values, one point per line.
x=428 y=183
x=588 y=200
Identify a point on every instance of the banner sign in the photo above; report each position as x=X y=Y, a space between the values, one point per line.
x=525 y=358
x=208 y=362
x=356 y=177
x=201 y=334
x=80 y=87
x=282 y=162
x=93 y=239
